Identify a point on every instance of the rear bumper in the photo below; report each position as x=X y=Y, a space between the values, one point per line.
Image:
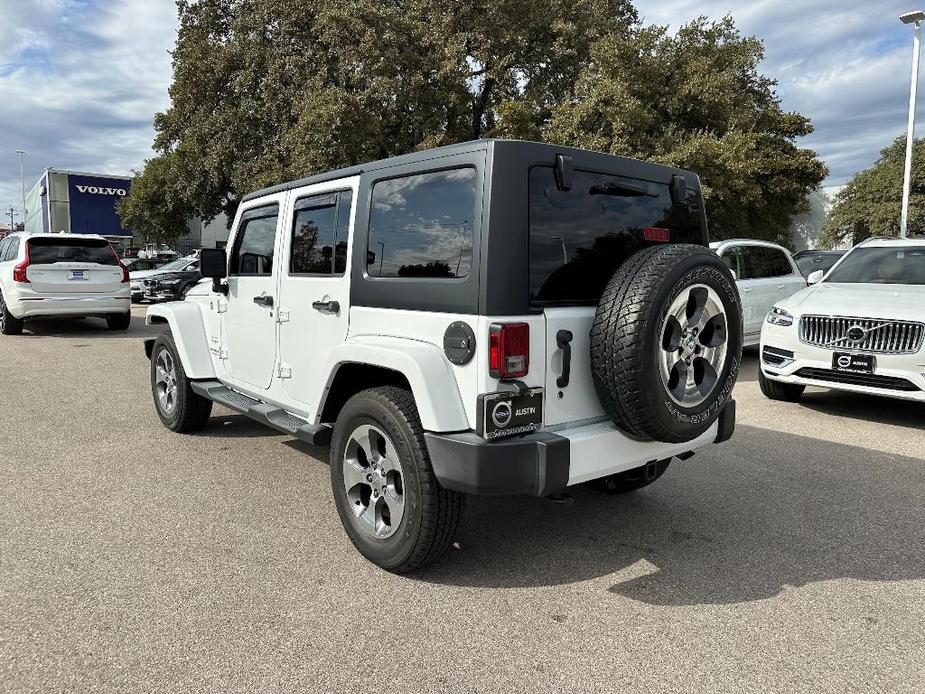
x=36 y=306
x=546 y=463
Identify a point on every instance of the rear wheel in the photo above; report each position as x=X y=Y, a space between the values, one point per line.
x=9 y=324
x=121 y=321
x=394 y=511
x=178 y=406
x=631 y=480
x=775 y=390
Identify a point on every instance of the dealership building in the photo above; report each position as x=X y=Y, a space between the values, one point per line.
x=85 y=203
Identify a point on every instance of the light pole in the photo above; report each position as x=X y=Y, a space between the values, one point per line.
x=916 y=19
x=22 y=186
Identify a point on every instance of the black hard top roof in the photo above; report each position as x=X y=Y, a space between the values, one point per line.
x=540 y=149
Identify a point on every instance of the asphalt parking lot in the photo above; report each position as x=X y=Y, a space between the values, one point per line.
x=790 y=559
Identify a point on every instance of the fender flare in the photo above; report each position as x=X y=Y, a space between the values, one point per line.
x=429 y=373
x=189 y=335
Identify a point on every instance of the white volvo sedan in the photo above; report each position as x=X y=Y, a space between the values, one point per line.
x=859 y=328
x=72 y=275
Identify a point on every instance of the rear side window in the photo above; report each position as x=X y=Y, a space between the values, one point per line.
x=319 y=234
x=252 y=253
x=47 y=251
x=579 y=237
x=421 y=225
x=757 y=262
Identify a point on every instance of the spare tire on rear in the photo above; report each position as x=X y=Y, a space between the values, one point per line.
x=667 y=342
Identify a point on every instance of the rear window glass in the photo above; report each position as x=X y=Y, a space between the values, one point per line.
x=579 y=237
x=44 y=251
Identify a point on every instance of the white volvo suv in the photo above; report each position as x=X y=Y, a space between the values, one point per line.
x=858 y=328
x=73 y=275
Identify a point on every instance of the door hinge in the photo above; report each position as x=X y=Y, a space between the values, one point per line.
x=223 y=353
x=221 y=305
x=284 y=371
x=282 y=316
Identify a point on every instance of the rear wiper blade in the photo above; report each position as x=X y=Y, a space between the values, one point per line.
x=627 y=190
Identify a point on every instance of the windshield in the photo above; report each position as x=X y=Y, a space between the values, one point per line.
x=820 y=261
x=893 y=265
x=175 y=264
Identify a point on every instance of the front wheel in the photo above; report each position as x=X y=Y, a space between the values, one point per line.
x=394 y=511
x=9 y=324
x=178 y=406
x=775 y=390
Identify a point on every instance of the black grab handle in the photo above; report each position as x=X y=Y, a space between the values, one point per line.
x=563 y=342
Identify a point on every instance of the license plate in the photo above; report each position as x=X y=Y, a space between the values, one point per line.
x=79 y=275
x=858 y=363
x=510 y=413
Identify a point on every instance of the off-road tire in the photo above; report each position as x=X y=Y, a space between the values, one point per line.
x=625 y=342
x=775 y=390
x=192 y=411
x=120 y=321
x=630 y=480
x=9 y=324
x=432 y=513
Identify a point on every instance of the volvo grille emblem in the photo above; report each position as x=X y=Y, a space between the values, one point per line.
x=856 y=333
x=501 y=414
x=844 y=362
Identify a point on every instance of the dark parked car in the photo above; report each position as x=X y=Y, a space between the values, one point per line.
x=810 y=261
x=170 y=286
x=138 y=264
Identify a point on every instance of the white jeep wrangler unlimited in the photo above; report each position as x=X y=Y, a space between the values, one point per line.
x=494 y=317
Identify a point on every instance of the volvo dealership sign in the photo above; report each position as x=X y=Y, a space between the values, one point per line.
x=93 y=204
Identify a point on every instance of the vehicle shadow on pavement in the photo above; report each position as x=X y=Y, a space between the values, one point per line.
x=737 y=523
x=87 y=327
x=236 y=426
x=868 y=408
x=749 y=369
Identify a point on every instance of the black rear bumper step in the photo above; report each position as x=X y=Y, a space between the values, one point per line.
x=279 y=419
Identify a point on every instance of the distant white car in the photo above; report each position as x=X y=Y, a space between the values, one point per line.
x=765 y=274
x=859 y=328
x=180 y=265
x=76 y=275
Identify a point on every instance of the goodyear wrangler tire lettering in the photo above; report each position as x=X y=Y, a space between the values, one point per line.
x=666 y=343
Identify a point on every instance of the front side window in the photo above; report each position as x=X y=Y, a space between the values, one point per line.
x=319 y=234
x=893 y=265
x=422 y=225
x=252 y=253
x=757 y=262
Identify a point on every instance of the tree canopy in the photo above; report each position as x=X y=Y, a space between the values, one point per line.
x=266 y=91
x=871 y=203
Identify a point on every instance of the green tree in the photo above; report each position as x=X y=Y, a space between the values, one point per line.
x=266 y=91
x=871 y=203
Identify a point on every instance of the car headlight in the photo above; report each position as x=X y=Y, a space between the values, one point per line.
x=168 y=283
x=779 y=316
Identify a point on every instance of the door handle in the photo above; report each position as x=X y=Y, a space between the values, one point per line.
x=745 y=290
x=264 y=300
x=781 y=286
x=326 y=306
x=563 y=342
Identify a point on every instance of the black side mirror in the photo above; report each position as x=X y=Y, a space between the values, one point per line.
x=213 y=263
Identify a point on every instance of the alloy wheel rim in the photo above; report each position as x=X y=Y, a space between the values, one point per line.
x=373 y=481
x=693 y=343
x=2 y=312
x=165 y=382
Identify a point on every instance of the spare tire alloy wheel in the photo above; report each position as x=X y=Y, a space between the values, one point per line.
x=694 y=343
x=666 y=343
x=373 y=481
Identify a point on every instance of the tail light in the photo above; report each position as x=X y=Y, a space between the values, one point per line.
x=19 y=271
x=656 y=234
x=509 y=350
x=125 y=277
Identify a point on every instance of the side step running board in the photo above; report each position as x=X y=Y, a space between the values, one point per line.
x=279 y=419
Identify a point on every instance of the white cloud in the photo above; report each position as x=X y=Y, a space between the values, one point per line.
x=81 y=82
x=845 y=65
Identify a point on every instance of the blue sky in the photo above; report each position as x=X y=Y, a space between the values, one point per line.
x=80 y=80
